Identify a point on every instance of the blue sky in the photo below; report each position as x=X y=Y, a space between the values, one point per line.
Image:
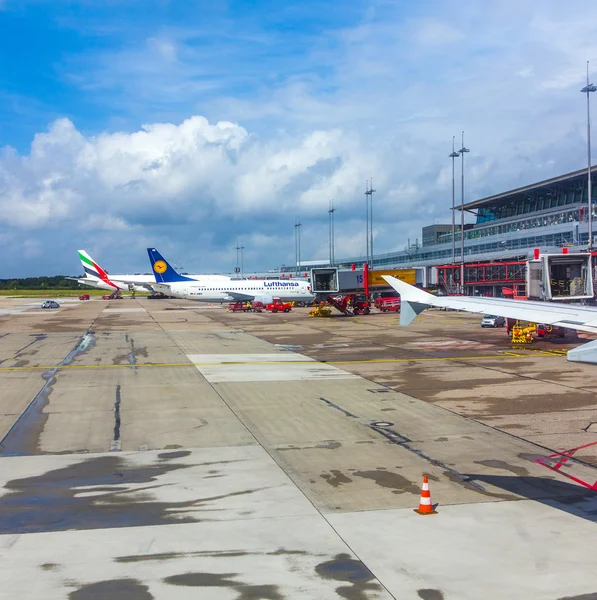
x=188 y=125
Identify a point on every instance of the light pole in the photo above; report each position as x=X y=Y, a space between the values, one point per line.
x=587 y=90
x=462 y=152
x=367 y=218
x=369 y=191
x=297 y=242
x=237 y=270
x=331 y=212
x=242 y=267
x=453 y=156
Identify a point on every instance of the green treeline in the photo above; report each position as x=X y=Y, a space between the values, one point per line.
x=39 y=283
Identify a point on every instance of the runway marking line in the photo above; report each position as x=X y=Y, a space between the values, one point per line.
x=502 y=355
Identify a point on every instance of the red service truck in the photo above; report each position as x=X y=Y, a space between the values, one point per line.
x=278 y=306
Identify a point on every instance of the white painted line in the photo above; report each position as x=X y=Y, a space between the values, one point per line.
x=286 y=366
x=250 y=359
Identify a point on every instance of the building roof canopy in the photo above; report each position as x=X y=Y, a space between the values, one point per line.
x=555 y=185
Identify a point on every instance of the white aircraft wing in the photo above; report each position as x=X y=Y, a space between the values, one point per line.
x=148 y=285
x=415 y=300
x=244 y=297
x=84 y=281
x=162 y=287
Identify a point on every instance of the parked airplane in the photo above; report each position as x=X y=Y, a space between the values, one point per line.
x=581 y=318
x=209 y=290
x=97 y=277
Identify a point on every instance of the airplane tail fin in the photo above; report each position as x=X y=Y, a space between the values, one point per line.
x=163 y=271
x=93 y=271
x=413 y=301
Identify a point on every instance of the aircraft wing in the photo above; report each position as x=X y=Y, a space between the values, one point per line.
x=148 y=285
x=161 y=287
x=82 y=281
x=92 y=283
x=415 y=300
x=241 y=297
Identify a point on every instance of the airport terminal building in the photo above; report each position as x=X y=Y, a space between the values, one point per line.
x=548 y=215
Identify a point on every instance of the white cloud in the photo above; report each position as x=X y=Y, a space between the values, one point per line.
x=194 y=165
x=165 y=177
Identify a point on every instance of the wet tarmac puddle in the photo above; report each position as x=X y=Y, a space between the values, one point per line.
x=117 y=589
x=245 y=591
x=97 y=493
x=346 y=569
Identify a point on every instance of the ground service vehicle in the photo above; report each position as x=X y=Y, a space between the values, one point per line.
x=347 y=304
x=246 y=306
x=381 y=299
x=493 y=321
x=239 y=306
x=50 y=304
x=84 y=297
x=544 y=331
x=278 y=306
x=388 y=304
x=520 y=324
x=360 y=304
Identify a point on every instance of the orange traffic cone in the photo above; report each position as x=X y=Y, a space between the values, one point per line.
x=425 y=506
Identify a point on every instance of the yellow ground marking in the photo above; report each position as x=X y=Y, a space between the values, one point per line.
x=553 y=352
x=548 y=351
x=503 y=354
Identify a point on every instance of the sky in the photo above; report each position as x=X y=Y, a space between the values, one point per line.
x=191 y=126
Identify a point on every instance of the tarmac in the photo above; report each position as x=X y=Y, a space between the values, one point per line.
x=165 y=449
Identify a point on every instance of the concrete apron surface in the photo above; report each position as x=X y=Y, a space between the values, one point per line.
x=258 y=473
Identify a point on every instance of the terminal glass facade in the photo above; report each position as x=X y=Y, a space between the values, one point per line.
x=524 y=204
x=574 y=215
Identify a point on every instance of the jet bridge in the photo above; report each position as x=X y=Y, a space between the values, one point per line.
x=324 y=280
x=560 y=277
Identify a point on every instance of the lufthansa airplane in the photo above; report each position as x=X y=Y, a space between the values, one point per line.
x=212 y=290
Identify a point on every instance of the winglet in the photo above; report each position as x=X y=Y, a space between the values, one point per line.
x=413 y=301
x=163 y=271
x=409 y=311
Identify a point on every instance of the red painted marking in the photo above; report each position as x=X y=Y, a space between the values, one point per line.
x=565 y=456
